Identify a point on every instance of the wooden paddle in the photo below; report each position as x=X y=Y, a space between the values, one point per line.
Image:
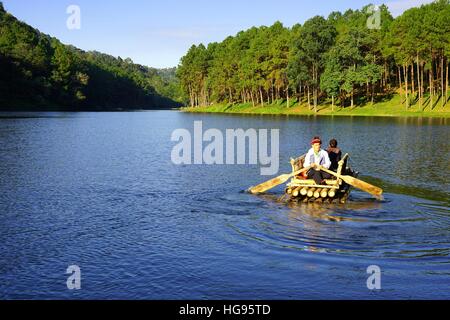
x=263 y=187
x=367 y=187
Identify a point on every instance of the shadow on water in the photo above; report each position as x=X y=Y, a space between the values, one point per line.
x=25 y=115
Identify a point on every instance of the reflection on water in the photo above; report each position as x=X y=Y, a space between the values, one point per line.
x=317 y=210
x=330 y=211
x=361 y=228
x=99 y=190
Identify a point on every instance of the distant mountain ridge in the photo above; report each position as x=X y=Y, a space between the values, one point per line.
x=38 y=72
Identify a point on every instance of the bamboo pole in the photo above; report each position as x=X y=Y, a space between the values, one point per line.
x=296 y=191
x=311 y=192
x=304 y=191
x=332 y=193
x=320 y=186
x=310 y=182
x=341 y=165
x=324 y=193
x=317 y=193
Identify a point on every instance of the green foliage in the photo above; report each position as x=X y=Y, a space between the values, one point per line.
x=39 y=71
x=337 y=57
x=331 y=80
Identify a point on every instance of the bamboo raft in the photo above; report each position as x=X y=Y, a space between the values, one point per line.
x=305 y=190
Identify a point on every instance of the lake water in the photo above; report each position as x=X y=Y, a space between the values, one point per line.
x=99 y=190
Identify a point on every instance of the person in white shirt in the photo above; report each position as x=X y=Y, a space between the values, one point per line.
x=316 y=158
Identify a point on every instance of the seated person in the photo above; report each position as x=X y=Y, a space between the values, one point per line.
x=335 y=154
x=316 y=157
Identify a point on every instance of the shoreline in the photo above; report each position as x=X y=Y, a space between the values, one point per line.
x=412 y=115
x=391 y=108
x=91 y=109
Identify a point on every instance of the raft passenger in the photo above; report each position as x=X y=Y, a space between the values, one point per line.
x=335 y=154
x=316 y=157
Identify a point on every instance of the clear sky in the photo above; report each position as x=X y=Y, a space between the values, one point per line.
x=158 y=33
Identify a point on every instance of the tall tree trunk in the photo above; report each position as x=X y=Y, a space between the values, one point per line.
x=442 y=80
x=430 y=76
x=332 y=103
x=405 y=71
x=373 y=93
x=309 y=100
x=386 y=74
x=315 y=100
x=191 y=95
x=413 y=91
x=261 y=94
x=273 y=99
x=316 y=93
x=202 y=96
x=352 y=100
x=422 y=79
x=300 y=96
x=419 y=89
x=287 y=96
x=446 y=85
x=253 y=99
x=400 y=79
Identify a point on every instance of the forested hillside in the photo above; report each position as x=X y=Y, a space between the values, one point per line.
x=38 y=72
x=333 y=60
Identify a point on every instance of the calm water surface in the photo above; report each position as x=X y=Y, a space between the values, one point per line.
x=99 y=190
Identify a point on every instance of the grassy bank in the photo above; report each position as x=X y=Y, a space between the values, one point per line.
x=389 y=108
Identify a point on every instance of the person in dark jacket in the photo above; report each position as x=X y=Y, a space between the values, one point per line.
x=335 y=154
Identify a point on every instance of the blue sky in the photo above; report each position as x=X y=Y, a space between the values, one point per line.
x=158 y=33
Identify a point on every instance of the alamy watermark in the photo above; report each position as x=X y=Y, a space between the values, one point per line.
x=374 y=20
x=374 y=280
x=74 y=280
x=74 y=20
x=240 y=146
